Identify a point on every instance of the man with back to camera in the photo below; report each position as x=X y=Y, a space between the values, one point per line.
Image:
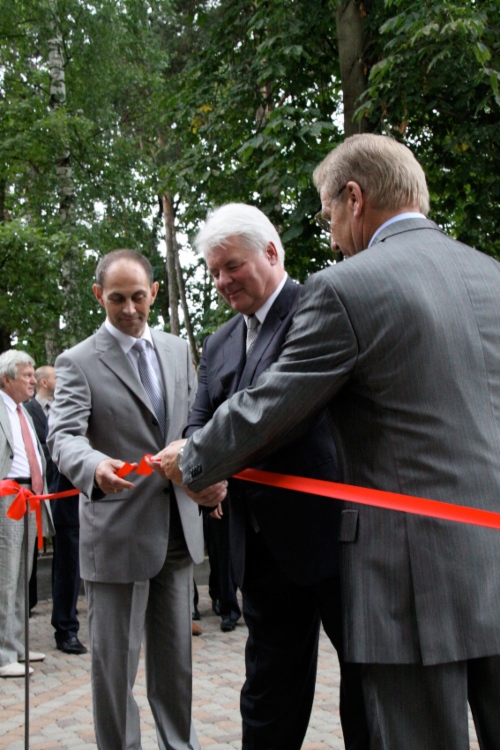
x=402 y=342
x=21 y=460
x=120 y=394
x=283 y=546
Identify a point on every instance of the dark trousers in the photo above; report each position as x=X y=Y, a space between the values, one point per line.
x=425 y=708
x=221 y=585
x=283 y=622
x=65 y=582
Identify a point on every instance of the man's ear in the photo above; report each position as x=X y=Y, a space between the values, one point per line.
x=356 y=198
x=98 y=294
x=271 y=253
x=154 y=290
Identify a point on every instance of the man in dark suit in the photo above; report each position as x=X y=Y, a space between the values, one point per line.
x=38 y=407
x=402 y=342
x=66 y=542
x=283 y=545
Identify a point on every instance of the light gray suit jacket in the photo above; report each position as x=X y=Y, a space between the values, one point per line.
x=7 y=455
x=402 y=342
x=102 y=411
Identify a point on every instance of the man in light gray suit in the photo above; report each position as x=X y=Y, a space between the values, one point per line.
x=402 y=342
x=21 y=460
x=137 y=538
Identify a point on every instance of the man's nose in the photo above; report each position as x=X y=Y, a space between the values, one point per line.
x=223 y=279
x=129 y=307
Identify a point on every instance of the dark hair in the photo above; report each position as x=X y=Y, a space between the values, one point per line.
x=116 y=255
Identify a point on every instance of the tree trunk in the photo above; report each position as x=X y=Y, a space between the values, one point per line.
x=71 y=297
x=349 y=17
x=3 y=187
x=182 y=292
x=176 y=285
x=171 y=272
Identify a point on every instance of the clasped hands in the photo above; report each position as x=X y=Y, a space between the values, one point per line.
x=165 y=464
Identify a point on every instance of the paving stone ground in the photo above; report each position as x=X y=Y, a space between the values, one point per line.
x=61 y=704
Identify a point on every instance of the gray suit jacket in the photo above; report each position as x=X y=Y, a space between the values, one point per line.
x=402 y=341
x=7 y=455
x=102 y=411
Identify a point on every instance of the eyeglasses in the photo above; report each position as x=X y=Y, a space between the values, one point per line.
x=324 y=223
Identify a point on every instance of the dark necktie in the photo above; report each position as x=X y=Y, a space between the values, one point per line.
x=35 y=473
x=150 y=382
x=253 y=327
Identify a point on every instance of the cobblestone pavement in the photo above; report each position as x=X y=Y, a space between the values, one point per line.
x=61 y=705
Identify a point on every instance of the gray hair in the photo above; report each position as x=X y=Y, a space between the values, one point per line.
x=238 y=220
x=10 y=361
x=385 y=169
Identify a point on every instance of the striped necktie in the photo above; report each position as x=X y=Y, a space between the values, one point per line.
x=253 y=327
x=149 y=380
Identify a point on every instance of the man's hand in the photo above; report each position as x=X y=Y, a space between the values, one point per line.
x=210 y=496
x=105 y=477
x=217 y=513
x=165 y=462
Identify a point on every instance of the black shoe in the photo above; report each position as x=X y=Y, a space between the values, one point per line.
x=216 y=606
x=71 y=646
x=227 y=625
x=196 y=613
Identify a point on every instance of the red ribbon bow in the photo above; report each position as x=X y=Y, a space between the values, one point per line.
x=26 y=501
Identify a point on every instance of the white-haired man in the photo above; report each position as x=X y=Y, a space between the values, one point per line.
x=283 y=545
x=402 y=343
x=22 y=460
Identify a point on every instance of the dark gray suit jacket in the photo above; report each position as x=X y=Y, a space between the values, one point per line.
x=301 y=531
x=402 y=341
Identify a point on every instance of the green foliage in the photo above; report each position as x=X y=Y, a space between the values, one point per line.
x=436 y=85
x=217 y=101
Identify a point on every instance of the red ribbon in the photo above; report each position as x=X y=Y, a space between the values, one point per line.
x=361 y=495
x=377 y=498
x=26 y=501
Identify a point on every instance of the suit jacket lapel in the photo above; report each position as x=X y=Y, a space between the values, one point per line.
x=5 y=424
x=111 y=354
x=233 y=357
x=270 y=328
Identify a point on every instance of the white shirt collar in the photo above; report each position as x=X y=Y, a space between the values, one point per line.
x=9 y=402
x=393 y=219
x=261 y=313
x=127 y=342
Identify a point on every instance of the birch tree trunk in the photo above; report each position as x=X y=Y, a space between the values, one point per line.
x=175 y=279
x=349 y=17
x=72 y=298
x=171 y=272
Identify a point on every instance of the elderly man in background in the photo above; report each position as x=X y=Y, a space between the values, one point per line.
x=283 y=545
x=22 y=460
x=402 y=343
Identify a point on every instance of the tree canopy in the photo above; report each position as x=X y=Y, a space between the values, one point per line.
x=123 y=122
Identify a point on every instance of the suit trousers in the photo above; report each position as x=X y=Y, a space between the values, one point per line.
x=119 y=616
x=221 y=585
x=12 y=588
x=425 y=708
x=65 y=582
x=283 y=622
